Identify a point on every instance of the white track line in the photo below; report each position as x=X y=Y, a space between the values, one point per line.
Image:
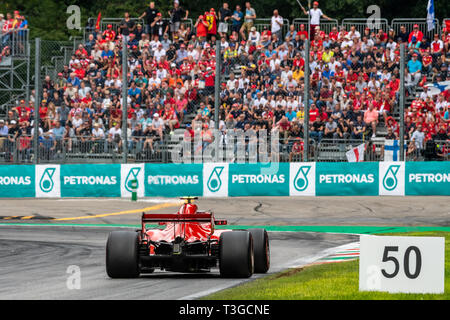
x=292 y=264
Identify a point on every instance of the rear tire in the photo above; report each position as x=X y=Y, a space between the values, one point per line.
x=261 y=250
x=236 y=254
x=122 y=254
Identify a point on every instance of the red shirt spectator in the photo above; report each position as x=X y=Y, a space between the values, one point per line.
x=202 y=27
x=313 y=113
x=209 y=78
x=211 y=18
x=303 y=31
x=416 y=33
x=394 y=84
x=298 y=62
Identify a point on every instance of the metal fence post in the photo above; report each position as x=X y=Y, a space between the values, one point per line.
x=124 y=100
x=37 y=76
x=27 y=94
x=217 y=99
x=306 y=93
x=402 y=102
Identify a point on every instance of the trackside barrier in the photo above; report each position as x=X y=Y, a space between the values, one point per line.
x=226 y=179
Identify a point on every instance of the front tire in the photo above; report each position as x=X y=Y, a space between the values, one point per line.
x=236 y=254
x=261 y=250
x=122 y=254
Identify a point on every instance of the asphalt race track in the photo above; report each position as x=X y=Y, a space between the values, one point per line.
x=37 y=253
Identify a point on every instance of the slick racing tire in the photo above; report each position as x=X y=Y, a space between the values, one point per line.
x=261 y=250
x=122 y=254
x=236 y=254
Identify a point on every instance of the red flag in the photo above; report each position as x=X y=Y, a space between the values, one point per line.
x=99 y=18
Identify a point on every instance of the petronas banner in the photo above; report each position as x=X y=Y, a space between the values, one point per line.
x=17 y=181
x=428 y=178
x=258 y=180
x=90 y=180
x=347 y=179
x=226 y=179
x=173 y=180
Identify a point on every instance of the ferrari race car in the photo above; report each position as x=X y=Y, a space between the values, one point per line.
x=187 y=242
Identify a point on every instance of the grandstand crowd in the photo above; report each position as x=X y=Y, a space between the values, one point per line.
x=11 y=26
x=354 y=83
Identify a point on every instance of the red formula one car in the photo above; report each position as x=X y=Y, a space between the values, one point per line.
x=187 y=242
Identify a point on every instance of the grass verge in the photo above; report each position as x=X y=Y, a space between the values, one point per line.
x=331 y=281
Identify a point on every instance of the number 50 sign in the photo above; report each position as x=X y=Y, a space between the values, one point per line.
x=402 y=264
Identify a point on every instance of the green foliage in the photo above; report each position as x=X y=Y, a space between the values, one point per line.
x=47 y=18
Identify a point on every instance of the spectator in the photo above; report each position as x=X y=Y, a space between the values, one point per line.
x=224 y=18
x=2 y=22
x=277 y=24
x=47 y=146
x=316 y=13
x=371 y=118
x=359 y=128
x=417 y=140
x=238 y=20
x=115 y=137
x=202 y=28
x=415 y=68
x=317 y=130
x=211 y=19
x=127 y=26
x=7 y=29
x=415 y=34
x=250 y=16
x=150 y=14
x=4 y=130
x=330 y=129
x=177 y=13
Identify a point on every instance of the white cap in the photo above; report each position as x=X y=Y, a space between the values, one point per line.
x=13 y=122
x=156 y=114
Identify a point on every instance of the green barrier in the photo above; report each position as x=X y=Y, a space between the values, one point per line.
x=427 y=178
x=256 y=180
x=347 y=179
x=173 y=180
x=17 y=181
x=226 y=180
x=90 y=180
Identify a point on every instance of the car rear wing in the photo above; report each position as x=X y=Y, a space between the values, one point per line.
x=181 y=218
x=199 y=217
x=162 y=219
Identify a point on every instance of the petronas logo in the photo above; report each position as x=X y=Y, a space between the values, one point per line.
x=214 y=181
x=301 y=178
x=390 y=180
x=46 y=183
x=132 y=175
